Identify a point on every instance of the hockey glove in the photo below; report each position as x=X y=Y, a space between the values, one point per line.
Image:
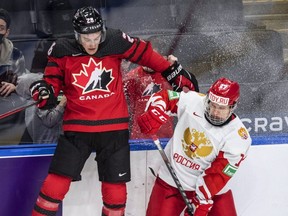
x=44 y=93
x=151 y=121
x=179 y=77
x=201 y=207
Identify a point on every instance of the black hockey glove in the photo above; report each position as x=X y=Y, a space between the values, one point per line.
x=44 y=94
x=179 y=77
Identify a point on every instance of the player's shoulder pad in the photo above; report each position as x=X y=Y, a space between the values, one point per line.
x=172 y=95
x=201 y=94
x=116 y=42
x=193 y=94
x=238 y=133
x=243 y=133
x=64 y=47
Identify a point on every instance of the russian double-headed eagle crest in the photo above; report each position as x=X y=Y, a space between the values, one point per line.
x=196 y=144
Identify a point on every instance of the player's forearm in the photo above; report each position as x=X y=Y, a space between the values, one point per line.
x=51 y=117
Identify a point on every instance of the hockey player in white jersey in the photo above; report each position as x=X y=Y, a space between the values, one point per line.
x=207 y=147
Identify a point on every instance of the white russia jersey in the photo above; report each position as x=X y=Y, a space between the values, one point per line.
x=196 y=143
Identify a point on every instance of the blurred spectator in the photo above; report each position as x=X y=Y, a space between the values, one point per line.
x=12 y=63
x=43 y=126
x=12 y=66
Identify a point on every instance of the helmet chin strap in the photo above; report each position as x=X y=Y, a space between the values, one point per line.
x=77 y=36
x=103 y=34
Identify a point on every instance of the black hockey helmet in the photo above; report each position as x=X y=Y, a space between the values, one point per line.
x=87 y=20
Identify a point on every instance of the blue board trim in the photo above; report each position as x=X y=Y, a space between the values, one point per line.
x=135 y=145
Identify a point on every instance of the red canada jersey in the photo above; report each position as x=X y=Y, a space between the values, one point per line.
x=93 y=83
x=139 y=86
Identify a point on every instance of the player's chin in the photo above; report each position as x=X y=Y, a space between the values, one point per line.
x=91 y=51
x=216 y=118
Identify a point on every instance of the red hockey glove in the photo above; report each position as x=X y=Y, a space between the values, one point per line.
x=201 y=207
x=44 y=93
x=179 y=77
x=151 y=121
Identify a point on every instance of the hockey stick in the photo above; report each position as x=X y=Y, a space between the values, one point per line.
x=181 y=29
x=173 y=174
x=9 y=113
x=4 y=115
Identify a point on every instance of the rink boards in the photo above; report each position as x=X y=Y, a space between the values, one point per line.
x=261 y=178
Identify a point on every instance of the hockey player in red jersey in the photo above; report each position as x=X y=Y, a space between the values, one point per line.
x=206 y=149
x=140 y=83
x=87 y=69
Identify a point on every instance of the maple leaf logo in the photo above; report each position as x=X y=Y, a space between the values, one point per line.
x=93 y=77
